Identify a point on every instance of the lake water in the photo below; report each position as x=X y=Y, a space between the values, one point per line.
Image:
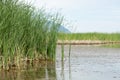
x=84 y=63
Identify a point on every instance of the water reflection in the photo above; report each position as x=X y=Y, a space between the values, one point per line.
x=63 y=66
x=45 y=71
x=70 y=76
x=77 y=65
x=62 y=70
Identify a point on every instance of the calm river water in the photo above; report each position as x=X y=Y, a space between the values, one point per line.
x=84 y=63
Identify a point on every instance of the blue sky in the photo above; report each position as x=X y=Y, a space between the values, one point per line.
x=86 y=15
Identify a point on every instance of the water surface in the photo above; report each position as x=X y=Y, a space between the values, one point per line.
x=84 y=63
x=89 y=63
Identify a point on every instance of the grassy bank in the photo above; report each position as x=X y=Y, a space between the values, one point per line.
x=26 y=33
x=90 y=36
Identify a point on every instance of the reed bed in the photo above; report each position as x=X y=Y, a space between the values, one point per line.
x=90 y=36
x=26 y=34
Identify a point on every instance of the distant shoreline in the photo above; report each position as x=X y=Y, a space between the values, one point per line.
x=85 y=42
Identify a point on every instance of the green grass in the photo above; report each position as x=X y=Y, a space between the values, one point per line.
x=26 y=33
x=90 y=36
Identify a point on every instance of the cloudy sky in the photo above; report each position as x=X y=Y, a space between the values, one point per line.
x=87 y=15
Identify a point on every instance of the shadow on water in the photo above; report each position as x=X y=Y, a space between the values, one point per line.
x=45 y=71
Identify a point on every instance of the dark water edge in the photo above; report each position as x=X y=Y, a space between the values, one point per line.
x=83 y=63
x=41 y=71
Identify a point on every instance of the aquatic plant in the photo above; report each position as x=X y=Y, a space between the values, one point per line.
x=26 y=33
x=90 y=36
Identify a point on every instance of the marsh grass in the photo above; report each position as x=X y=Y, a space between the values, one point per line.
x=90 y=36
x=26 y=33
x=62 y=51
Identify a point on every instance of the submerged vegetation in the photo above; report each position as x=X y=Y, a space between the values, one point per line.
x=26 y=33
x=90 y=36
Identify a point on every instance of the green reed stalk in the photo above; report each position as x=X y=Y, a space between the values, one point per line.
x=62 y=51
x=25 y=33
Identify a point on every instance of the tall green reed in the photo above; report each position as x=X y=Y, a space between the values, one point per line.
x=26 y=33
